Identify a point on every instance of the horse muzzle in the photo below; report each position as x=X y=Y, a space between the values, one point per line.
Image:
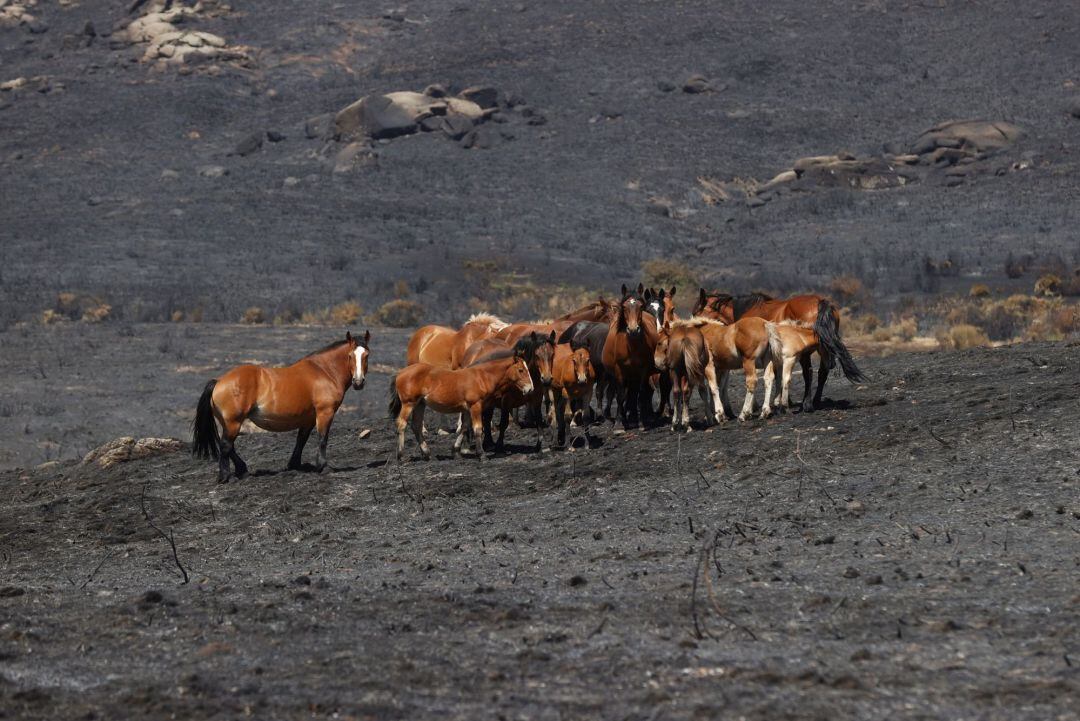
x=358 y=384
x=634 y=332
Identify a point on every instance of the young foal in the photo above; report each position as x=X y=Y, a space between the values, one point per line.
x=572 y=377
x=538 y=354
x=743 y=344
x=299 y=397
x=466 y=390
x=683 y=354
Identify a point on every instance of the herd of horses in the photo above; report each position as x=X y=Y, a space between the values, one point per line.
x=614 y=351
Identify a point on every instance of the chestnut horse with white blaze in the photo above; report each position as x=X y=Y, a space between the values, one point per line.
x=813 y=310
x=300 y=397
x=465 y=390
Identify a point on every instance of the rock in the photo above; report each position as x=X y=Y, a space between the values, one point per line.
x=665 y=86
x=498 y=118
x=970 y=136
x=485 y=96
x=291 y=182
x=1074 y=108
x=696 y=84
x=127 y=448
x=388 y=116
x=845 y=155
x=274 y=136
x=851 y=573
x=169 y=174
x=481 y=138
x=435 y=90
x=364 y=433
x=250 y=143
x=213 y=171
x=755 y=201
x=431 y=124
x=13 y=84
x=353 y=156
x=318 y=126
x=37 y=27
x=11 y=591
x=456 y=126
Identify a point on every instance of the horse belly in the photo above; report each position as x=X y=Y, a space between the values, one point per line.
x=278 y=422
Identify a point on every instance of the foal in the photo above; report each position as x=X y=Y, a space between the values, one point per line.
x=466 y=390
x=572 y=378
x=743 y=344
x=683 y=354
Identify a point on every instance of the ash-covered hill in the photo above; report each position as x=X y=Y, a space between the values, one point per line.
x=175 y=170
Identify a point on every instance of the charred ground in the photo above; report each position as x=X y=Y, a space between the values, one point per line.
x=909 y=551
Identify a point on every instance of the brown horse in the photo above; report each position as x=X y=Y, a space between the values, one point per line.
x=538 y=352
x=298 y=398
x=465 y=390
x=661 y=305
x=682 y=353
x=744 y=344
x=814 y=310
x=796 y=341
x=515 y=331
x=444 y=347
x=572 y=378
x=628 y=353
x=597 y=311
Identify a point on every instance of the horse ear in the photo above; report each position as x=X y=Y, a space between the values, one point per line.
x=367 y=336
x=702 y=296
x=624 y=292
x=661 y=295
x=671 y=293
x=551 y=338
x=348 y=336
x=533 y=336
x=640 y=288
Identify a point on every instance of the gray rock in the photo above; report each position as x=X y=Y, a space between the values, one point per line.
x=456 y=126
x=318 y=126
x=354 y=156
x=1074 y=108
x=665 y=86
x=435 y=90
x=376 y=116
x=250 y=143
x=485 y=96
x=274 y=136
x=213 y=171
x=431 y=124
x=696 y=84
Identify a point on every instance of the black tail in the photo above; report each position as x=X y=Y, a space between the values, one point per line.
x=394 y=406
x=827 y=327
x=204 y=432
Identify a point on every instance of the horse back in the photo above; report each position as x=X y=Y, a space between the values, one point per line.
x=430 y=344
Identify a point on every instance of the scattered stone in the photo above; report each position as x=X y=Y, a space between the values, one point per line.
x=250 y=143
x=169 y=174
x=696 y=84
x=483 y=95
x=318 y=126
x=851 y=573
x=364 y=433
x=431 y=124
x=577 y=581
x=436 y=90
x=875 y=580
x=13 y=84
x=213 y=171
x=167 y=45
x=1074 y=108
x=11 y=591
x=353 y=156
x=274 y=136
x=665 y=86
x=127 y=448
x=291 y=182
x=1025 y=514
x=456 y=126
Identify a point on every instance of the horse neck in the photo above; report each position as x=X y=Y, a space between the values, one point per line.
x=334 y=363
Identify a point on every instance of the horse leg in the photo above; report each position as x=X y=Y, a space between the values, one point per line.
x=562 y=415
x=476 y=415
x=808 y=381
x=401 y=422
x=750 y=371
x=418 y=429
x=712 y=400
x=298 y=450
x=785 y=392
x=687 y=391
x=504 y=421
x=725 y=402
x=822 y=376
x=620 y=403
x=324 y=418
x=676 y=399
x=489 y=416
x=227 y=451
x=665 y=389
x=770 y=380
x=537 y=411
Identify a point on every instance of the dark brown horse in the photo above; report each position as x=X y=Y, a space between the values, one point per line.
x=628 y=353
x=299 y=397
x=814 y=310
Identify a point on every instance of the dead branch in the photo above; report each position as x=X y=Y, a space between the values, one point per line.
x=90 y=577
x=168 y=537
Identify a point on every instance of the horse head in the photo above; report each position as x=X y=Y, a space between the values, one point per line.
x=358 y=358
x=630 y=309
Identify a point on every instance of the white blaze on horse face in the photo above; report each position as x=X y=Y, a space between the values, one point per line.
x=358 y=374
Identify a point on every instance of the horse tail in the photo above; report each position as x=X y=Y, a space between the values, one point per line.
x=692 y=363
x=394 y=406
x=827 y=327
x=204 y=432
x=776 y=343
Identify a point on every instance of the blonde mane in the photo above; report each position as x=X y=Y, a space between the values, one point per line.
x=488 y=319
x=796 y=323
x=697 y=322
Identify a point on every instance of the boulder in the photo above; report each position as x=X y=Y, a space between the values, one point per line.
x=387 y=116
x=971 y=136
x=456 y=125
x=127 y=448
x=1074 y=108
x=696 y=84
x=250 y=143
x=318 y=126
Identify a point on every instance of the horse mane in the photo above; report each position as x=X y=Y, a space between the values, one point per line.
x=796 y=323
x=327 y=348
x=525 y=347
x=496 y=324
x=742 y=303
x=697 y=322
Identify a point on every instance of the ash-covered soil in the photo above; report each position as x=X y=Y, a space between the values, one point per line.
x=909 y=552
x=104 y=159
